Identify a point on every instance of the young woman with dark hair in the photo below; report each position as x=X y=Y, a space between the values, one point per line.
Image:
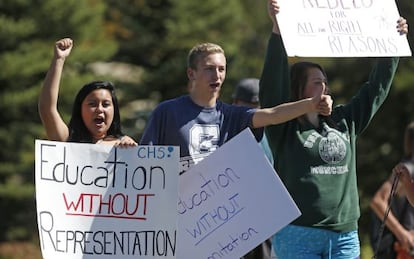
x=95 y=115
x=316 y=155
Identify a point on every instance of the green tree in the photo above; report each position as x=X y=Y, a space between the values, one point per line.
x=28 y=30
x=155 y=36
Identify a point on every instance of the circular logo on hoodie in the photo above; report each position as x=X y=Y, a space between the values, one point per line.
x=332 y=148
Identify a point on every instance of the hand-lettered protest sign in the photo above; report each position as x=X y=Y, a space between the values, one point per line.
x=341 y=28
x=230 y=202
x=98 y=201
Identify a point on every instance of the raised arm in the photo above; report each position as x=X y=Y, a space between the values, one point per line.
x=272 y=10
x=365 y=104
x=56 y=128
x=274 y=81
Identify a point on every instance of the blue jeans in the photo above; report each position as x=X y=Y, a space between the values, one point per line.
x=294 y=242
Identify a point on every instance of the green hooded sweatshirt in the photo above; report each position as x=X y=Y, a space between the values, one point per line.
x=318 y=165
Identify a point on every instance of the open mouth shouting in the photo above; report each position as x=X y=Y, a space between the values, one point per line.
x=214 y=86
x=99 y=121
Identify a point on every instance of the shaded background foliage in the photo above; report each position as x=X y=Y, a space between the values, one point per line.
x=141 y=45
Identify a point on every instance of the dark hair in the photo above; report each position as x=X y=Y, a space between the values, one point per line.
x=299 y=77
x=78 y=132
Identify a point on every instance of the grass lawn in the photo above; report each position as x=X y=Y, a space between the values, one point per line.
x=20 y=250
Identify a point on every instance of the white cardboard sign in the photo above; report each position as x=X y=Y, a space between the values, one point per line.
x=230 y=202
x=341 y=28
x=97 y=201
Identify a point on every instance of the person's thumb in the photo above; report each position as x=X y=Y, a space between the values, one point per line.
x=322 y=90
x=318 y=95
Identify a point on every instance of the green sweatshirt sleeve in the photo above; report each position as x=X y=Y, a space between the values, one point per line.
x=363 y=106
x=274 y=81
x=275 y=85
